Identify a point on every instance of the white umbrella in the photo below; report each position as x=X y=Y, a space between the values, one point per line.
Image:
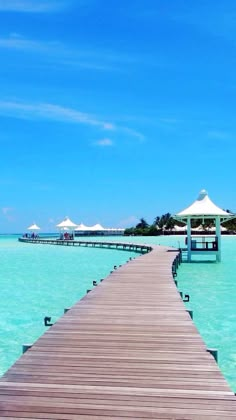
x=33 y=227
x=67 y=223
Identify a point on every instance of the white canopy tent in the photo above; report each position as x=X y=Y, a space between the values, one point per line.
x=66 y=223
x=82 y=227
x=199 y=228
x=97 y=229
x=213 y=229
x=177 y=228
x=34 y=227
x=203 y=208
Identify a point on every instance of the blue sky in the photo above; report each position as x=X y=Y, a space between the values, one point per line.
x=112 y=111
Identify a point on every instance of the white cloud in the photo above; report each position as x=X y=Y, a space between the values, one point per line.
x=104 y=142
x=133 y=133
x=50 y=112
x=54 y=51
x=54 y=112
x=30 y=6
x=16 y=41
x=109 y=126
x=57 y=52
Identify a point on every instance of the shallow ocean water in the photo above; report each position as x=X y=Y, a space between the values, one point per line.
x=38 y=281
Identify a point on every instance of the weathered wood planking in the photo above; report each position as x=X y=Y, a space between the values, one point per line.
x=127 y=350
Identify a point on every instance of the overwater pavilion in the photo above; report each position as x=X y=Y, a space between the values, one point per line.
x=33 y=228
x=203 y=208
x=67 y=226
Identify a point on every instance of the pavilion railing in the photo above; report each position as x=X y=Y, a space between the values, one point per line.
x=204 y=244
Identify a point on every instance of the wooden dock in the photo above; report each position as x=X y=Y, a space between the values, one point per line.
x=127 y=350
x=125 y=246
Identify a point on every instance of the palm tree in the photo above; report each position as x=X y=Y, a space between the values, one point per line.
x=164 y=219
x=156 y=221
x=142 y=224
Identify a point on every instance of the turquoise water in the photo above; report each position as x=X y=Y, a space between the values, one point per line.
x=212 y=290
x=38 y=281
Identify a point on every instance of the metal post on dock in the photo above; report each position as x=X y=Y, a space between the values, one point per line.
x=190 y=313
x=174 y=269
x=214 y=353
x=47 y=322
x=26 y=347
x=66 y=310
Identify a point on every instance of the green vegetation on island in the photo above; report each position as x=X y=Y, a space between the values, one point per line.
x=166 y=225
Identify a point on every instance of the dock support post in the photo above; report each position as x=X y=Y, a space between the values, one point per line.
x=66 y=310
x=47 y=322
x=26 y=347
x=190 y=313
x=180 y=256
x=214 y=353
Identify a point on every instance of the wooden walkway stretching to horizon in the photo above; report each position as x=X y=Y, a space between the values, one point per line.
x=124 y=246
x=127 y=350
